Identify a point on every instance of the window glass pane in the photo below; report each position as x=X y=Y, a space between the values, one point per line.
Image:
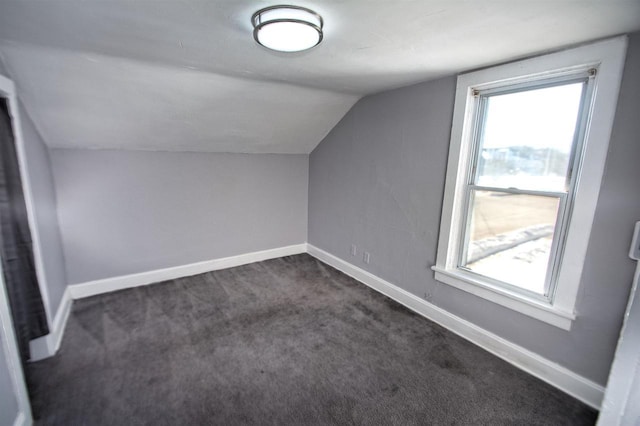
x=509 y=237
x=527 y=137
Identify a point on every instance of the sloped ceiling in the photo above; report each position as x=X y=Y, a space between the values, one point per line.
x=187 y=75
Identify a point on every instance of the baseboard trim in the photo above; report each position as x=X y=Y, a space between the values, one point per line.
x=562 y=378
x=92 y=288
x=60 y=320
x=47 y=346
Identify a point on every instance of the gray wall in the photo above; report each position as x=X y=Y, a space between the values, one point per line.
x=39 y=170
x=123 y=212
x=8 y=403
x=44 y=198
x=377 y=180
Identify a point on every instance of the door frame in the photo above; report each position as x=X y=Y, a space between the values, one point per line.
x=8 y=92
x=619 y=406
x=10 y=347
x=7 y=331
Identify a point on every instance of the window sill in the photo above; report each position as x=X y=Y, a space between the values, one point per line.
x=539 y=310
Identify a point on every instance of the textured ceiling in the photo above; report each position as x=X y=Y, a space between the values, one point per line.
x=187 y=75
x=95 y=101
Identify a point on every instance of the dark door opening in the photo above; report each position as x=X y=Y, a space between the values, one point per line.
x=16 y=248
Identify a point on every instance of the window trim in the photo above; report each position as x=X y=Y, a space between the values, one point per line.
x=608 y=58
x=564 y=198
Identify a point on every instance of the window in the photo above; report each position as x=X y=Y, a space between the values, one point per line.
x=528 y=147
x=524 y=151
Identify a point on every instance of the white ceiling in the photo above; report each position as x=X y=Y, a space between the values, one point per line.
x=187 y=75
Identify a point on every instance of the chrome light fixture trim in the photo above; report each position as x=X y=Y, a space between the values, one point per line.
x=289 y=14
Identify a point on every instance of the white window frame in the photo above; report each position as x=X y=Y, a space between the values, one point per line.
x=607 y=58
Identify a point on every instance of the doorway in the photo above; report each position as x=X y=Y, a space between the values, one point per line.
x=22 y=311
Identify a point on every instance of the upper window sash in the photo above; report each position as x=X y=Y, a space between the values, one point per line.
x=481 y=98
x=543 y=80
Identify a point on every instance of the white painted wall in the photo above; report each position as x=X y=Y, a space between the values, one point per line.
x=91 y=101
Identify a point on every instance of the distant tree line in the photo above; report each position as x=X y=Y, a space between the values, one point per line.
x=523 y=160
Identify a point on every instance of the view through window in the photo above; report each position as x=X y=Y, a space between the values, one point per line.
x=520 y=183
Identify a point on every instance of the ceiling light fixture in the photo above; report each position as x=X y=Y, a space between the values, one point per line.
x=287 y=28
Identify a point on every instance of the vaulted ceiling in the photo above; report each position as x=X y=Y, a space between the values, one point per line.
x=187 y=75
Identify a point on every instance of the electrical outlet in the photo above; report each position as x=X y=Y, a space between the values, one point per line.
x=354 y=250
x=366 y=257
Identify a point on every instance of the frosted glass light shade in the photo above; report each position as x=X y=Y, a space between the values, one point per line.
x=287 y=28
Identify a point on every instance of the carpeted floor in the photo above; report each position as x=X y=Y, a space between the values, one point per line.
x=289 y=341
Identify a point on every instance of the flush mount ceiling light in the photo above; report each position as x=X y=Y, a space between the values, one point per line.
x=287 y=28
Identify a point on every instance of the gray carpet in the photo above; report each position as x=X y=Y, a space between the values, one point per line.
x=289 y=341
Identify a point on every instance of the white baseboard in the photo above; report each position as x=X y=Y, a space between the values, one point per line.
x=564 y=379
x=47 y=346
x=575 y=385
x=92 y=288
